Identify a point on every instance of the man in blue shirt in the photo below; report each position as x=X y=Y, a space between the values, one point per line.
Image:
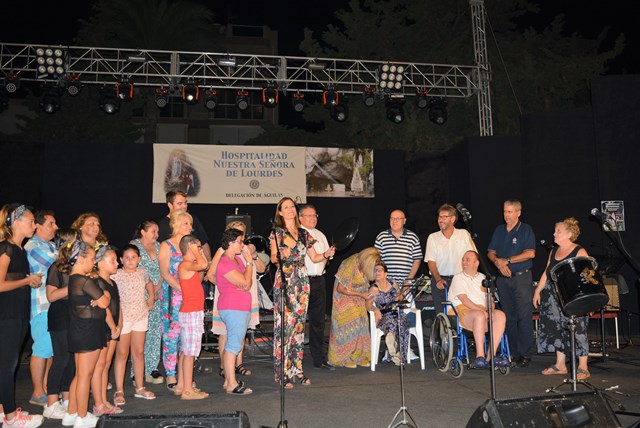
x=511 y=250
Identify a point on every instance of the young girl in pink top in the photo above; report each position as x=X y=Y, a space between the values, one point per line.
x=132 y=282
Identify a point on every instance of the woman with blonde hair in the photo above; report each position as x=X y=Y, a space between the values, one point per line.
x=553 y=334
x=169 y=257
x=349 y=339
x=16 y=224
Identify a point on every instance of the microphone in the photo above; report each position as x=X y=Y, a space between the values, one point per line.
x=600 y=215
x=545 y=244
x=466 y=215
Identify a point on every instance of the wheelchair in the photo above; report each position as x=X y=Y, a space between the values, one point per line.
x=450 y=347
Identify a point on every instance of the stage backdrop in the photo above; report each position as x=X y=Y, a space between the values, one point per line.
x=258 y=174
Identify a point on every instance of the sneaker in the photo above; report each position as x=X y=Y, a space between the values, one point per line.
x=88 y=421
x=39 y=401
x=65 y=404
x=54 y=411
x=23 y=420
x=69 y=419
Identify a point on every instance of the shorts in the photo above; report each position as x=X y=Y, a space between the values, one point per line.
x=191 y=330
x=140 y=325
x=237 y=323
x=42 y=346
x=462 y=311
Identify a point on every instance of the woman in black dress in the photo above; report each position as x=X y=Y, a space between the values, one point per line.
x=553 y=333
x=16 y=224
x=87 y=304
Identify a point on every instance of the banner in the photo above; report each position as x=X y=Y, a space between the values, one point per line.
x=339 y=173
x=229 y=174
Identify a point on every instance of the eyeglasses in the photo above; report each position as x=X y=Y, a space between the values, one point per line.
x=310 y=215
x=396 y=218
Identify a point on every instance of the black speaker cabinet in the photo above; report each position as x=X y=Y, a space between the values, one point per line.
x=576 y=409
x=206 y=420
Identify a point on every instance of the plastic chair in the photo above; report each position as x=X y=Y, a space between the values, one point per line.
x=377 y=334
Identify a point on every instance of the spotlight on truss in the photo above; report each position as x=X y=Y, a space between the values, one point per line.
x=50 y=100
x=51 y=63
x=210 y=99
x=421 y=98
x=242 y=100
x=124 y=90
x=330 y=98
x=395 y=110
x=162 y=97
x=109 y=102
x=11 y=83
x=390 y=77
x=438 y=111
x=270 y=96
x=190 y=92
x=369 y=96
x=298 y=102
x=73 y=84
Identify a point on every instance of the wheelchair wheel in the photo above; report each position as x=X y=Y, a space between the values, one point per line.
x=441 y=342
x=457 y=368
x=504 y=370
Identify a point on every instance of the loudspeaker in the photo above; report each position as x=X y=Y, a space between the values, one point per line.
x=237 y=419
x=577 y=409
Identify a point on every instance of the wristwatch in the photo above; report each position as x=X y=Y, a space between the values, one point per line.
x=508 y=260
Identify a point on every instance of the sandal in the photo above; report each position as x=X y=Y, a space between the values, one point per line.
x=240 y=390
x=304 y=380
x=118 y=398
x=480 y=363
x=172 y=386
x=583 y=374
x=242 y=371
x=553 y=370
x=221 y=372
x=144 y=393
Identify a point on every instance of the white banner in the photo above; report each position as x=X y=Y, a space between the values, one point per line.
x=229 y=174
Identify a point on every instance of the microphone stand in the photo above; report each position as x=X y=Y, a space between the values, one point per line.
x=281 y=299
x=489 y=284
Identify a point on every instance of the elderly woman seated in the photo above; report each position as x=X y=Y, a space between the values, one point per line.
x=382 y=293
x=469 y=298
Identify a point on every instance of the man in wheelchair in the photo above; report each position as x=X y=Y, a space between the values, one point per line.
x=469 y=298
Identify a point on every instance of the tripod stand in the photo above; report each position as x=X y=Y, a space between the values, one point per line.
x=574 y=369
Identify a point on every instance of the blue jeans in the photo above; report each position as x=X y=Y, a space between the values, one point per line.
x=237 y=323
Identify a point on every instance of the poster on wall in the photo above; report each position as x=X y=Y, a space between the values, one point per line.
x=229 y=174
x=614 y=212
x=342 y=173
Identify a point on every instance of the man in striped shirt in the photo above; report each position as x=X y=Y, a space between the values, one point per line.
x=399 y=249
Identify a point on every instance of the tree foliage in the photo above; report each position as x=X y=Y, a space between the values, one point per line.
x=532 y=70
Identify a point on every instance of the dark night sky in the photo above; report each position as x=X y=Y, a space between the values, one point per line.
x=56 y=22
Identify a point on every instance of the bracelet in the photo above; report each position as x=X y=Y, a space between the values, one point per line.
x=325 y=257
x=249 y=263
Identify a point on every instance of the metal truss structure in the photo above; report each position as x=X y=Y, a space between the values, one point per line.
x=172 y=69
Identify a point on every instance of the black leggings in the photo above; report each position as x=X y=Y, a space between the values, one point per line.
x=12 y=334
x=63 y=366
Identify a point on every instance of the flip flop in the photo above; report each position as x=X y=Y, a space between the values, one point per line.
x=553 y=370
x=583 y=374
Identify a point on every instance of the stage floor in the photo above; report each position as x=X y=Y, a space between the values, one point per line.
x=362 y=398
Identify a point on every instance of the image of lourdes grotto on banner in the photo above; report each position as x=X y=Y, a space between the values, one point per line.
x=342 y=173
x=181 y=174
x=614 y=211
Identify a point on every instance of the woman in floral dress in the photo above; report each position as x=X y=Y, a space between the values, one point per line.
x=290 y=244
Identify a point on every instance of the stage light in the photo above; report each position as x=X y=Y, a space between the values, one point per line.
x=395 y=110
x=162 y=97
x=242 y=100
x=369 y=96
x=339 y=113
x=390 y=77
x=51 y=63
x=438 y=111
x=270 y=96
x=11 y=83
x=108 y=101
x=210 y=99
x=421 y=98
x=330 y=98
x=298 y=102
x=50 y=101
x=228 y=61
x=190 y=92
x=73 y=84
x=124 y=90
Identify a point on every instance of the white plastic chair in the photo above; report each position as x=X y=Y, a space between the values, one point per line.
x=377 y=334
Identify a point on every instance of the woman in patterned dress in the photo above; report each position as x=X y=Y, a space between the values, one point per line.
x=349 y=339
x=146 y=239
x=169 y=257
x=553 y=333
x=290 y=244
